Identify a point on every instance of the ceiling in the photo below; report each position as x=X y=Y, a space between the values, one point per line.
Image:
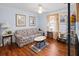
x=33 y=7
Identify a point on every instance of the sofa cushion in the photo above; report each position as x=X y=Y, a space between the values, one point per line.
x=30 y=32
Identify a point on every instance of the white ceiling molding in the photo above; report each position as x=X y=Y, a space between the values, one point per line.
x=33 y=7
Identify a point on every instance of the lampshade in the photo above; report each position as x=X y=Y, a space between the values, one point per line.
x=5 y=26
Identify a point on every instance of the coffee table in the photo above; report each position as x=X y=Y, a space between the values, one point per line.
x=40 y=43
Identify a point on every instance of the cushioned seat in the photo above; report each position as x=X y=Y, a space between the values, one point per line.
x=26 y=36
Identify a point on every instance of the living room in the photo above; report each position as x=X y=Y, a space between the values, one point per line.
x=32 y=21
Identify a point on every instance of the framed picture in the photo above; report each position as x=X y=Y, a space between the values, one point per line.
x=63 y=18
x=32 y=21
x=20 y=20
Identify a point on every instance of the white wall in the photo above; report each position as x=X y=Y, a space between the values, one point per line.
x=8 y=15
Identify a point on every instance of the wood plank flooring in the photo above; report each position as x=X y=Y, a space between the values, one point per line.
x=53 y=49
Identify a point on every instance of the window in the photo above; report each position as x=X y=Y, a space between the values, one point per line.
x=52 y=23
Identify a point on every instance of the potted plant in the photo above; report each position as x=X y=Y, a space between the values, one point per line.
x=9 y=32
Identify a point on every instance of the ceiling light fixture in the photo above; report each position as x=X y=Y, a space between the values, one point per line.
x=40 y=9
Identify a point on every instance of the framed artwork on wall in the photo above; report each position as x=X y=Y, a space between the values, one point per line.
x=63 y=22
x=63 y=18
x=32 y=21
x=20 y=20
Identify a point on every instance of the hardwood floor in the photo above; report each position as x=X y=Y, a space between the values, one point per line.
x=53 y=49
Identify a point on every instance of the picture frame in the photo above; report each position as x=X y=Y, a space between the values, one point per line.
x=63 y=22
x=63 y=18
x=32 y=20
x=20 y=20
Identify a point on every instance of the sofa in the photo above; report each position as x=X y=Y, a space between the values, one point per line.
x=26 y=36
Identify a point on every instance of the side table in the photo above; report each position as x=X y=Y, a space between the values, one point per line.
x=6 y=36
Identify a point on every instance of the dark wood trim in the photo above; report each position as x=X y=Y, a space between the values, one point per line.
x=68 y=29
